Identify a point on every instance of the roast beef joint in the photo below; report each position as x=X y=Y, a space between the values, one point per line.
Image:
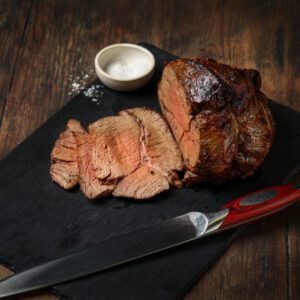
x=219 y=118
x=217 y=127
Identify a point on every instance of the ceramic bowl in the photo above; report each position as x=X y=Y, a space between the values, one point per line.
x=142 y=66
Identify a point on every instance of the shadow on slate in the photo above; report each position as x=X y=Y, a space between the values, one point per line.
x=39 y=221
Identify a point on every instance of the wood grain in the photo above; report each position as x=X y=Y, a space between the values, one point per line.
x=12 y=24
x=43 y=42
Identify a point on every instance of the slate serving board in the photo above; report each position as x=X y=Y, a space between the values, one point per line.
x=40 y=221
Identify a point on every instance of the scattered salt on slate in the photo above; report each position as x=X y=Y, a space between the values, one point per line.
x=78 y=84
x=94 y=92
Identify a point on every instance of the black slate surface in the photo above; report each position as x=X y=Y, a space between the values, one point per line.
x=40 y=221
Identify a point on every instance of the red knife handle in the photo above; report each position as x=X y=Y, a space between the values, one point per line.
x=261 y=204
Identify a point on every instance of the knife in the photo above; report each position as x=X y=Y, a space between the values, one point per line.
x=144 y=242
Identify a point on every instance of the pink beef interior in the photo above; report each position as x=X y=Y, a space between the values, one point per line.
x=130 y=155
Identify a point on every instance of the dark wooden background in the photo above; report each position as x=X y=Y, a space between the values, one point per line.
x=43 y=42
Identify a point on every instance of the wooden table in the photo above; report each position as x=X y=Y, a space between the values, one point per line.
x=43 y=42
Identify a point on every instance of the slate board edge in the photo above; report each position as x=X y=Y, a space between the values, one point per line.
x=55 y=290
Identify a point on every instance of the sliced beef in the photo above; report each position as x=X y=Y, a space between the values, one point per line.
x=117 y=149
x=159 y=149
x=64 y=167
x=143 y=183
x=71 y=162
x=90 y=185
x=159 y=154
x=219 y=118
x=130 y=155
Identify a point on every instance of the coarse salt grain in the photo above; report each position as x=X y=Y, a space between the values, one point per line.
x=93 y=92
x=77 y=83
x=204 y=87
x=130 y=69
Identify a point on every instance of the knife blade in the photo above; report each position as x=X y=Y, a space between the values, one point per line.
x=147 y=241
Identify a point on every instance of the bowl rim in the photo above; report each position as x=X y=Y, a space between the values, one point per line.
x=124 y=45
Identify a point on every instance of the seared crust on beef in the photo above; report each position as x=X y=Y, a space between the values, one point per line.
x=218 y=116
